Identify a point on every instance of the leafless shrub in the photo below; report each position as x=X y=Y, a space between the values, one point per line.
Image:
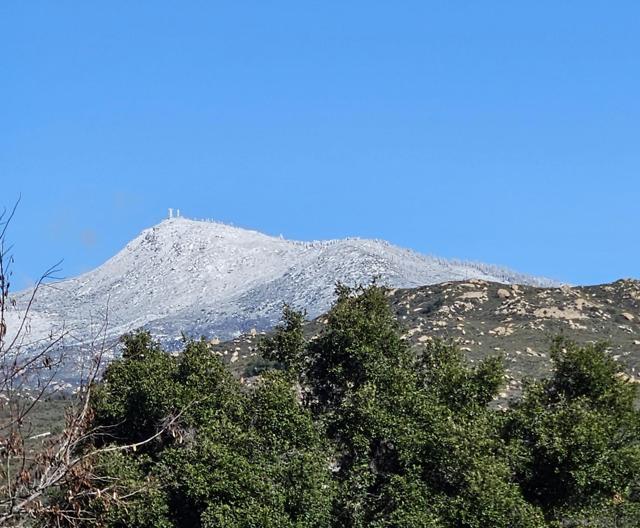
x=34 y=465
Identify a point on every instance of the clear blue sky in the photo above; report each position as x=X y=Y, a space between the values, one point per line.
x=499 y=131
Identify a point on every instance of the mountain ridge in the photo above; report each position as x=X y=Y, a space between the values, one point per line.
x=217 y=280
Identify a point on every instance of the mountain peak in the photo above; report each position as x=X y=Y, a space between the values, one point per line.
x=213 y=279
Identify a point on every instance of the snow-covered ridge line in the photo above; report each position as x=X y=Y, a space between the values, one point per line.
x=316 y=242
x=494 y=269
x=213 y=279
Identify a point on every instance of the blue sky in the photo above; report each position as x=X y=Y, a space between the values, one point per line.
x=499 y=131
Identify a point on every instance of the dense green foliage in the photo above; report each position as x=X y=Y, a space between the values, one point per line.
x=353 y=429
x=575 y=439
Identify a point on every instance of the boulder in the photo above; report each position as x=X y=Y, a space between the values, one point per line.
x=503 y=293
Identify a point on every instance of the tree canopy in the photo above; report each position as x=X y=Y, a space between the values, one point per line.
x=354 y=429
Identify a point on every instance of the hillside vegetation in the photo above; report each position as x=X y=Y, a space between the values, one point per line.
x=483 y=318
x=353 y=428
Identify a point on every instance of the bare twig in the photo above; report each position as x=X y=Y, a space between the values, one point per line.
x=29 y=372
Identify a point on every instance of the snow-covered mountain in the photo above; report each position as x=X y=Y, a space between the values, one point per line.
x=212 y=279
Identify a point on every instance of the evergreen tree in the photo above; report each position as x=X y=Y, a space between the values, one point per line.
x=575 y=439
x=353 y=430
x=416 y=443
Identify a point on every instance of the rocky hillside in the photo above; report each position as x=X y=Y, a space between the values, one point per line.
x=516 y=321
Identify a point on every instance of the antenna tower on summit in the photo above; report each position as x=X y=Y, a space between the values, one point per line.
x=170 y=212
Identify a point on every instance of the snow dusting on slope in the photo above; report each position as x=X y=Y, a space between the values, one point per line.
x=215 y=280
